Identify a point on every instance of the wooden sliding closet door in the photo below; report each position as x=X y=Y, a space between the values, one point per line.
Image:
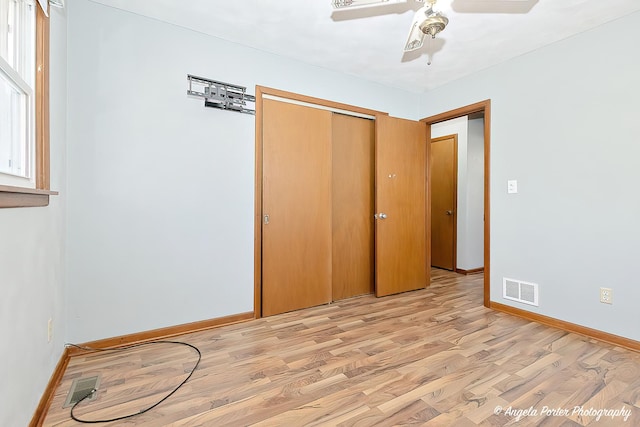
x=353 y=174
x=296 y=228
x=401 y=191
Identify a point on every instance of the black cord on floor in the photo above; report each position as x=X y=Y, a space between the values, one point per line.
x=127 y=348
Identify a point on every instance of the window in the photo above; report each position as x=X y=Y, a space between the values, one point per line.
x=24 y=104
x=17 y=90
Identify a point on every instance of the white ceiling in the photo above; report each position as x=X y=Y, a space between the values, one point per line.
x=368 y=42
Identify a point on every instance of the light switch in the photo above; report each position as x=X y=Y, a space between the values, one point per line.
x=512 y=186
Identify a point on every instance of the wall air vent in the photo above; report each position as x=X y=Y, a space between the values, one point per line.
x=518 y=290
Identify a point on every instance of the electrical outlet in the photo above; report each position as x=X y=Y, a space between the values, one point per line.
x=49 y=329
x=606 y=295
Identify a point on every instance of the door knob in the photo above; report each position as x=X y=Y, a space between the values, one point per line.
x=449 y=212
x=381 y=215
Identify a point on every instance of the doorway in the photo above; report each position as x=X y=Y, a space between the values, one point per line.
x=483 y=109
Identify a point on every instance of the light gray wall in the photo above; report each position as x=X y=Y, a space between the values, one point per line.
x=565 y=125
x=32 y=266
x=161 y=189
x=473 y=251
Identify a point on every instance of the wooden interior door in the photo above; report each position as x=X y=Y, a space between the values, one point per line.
x=353 y=174
x=296 y=227
x=401 y=192
x=444 y=171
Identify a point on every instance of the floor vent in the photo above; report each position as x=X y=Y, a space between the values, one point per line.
x=517 y=290
x=80 y=388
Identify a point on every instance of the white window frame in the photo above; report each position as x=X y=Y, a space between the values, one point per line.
x=15 y=76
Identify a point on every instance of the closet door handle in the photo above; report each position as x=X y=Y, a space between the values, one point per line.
x=381 y=215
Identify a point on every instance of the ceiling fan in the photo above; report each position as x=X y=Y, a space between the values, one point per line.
x=428 y=22
x=425 y=22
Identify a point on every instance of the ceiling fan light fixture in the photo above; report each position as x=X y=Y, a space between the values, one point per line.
x=435 y=23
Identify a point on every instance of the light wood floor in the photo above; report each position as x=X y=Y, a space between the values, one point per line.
x=434 y=357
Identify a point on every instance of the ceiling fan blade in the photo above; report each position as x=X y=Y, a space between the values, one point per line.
x=416 y=36
x=355 y=4
x=415 y=40
x=493 y=6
